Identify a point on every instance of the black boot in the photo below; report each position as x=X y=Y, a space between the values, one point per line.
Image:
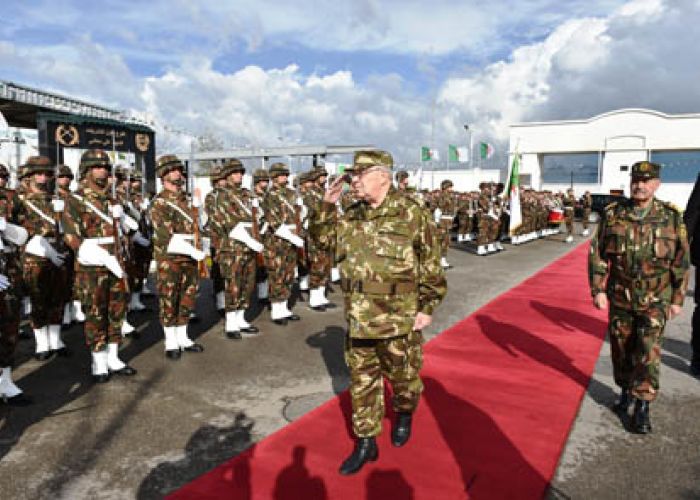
x=173 y=354
x=622 y=405
x=234 y=335
x=365 y=451
x=402 y=431
x=642 y=422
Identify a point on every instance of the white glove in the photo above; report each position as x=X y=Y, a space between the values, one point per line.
x=129 y=224
x=140 y=240
x=92 y=254
x=206 y=245
x=145 y=204
x=4 y=282
x=437 y=214
x=240 y=233
x=263 y=228
x=58 y=205
x=304 y=212
x=178 y=245
x=3 y=223
x=196 y=202
x=15 y=234
x=284 y=233
x=40 y=247
x=117 y=211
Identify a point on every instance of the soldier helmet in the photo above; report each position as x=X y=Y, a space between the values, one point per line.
x=260 y=174
x=121 y=172
x=215 y=173
x=37 y=164
x=4 y=172
x=94 y=158
x=368 y=159
x=136 y=175
x=278 y=169
x=319 y=172
x=65 y=171
x=646 y=170
x=232 y=166
x=500 y=187
x=447 y=183
x=167 y=163
x=401 y=175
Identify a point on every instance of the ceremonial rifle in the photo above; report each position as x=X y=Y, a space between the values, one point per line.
x=118 y=250
x=301 y=252
x=202 y=269
x=259 y=257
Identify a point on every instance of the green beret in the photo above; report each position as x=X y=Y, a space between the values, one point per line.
x=260 y=174
x=167 y=163
x=38 y=164
x=367 y=159
x=646 y=170
x=278 y=169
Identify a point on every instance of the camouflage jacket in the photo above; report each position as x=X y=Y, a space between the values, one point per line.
x=233 y=205
x=389 y=262
x=587 y=202
x=447 y=204
x=640 y=260
x=569 y=202
x=37 y=216
x=280 y=206
x=80 y=221
x=168 y=220
x=210 y=201
x=10 y=264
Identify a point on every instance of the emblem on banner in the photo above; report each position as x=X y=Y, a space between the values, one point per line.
x=142 y=142
x=67 y=135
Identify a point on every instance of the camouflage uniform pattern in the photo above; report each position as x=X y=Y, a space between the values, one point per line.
x=448 y=207
x=281 y=255
x=176 y=276
x=11 y=267
x=319 y=260
x=103 y=293
x=569 y=204
x=645 y=260
x=210 y=202
x=587 y=206
x=489 y=223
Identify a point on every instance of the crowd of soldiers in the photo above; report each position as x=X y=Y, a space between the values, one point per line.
x=85 y=255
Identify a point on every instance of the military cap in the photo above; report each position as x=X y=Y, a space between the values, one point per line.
x=167 y=163
x=231 y=166
x=447 y=183
x=401 y=175
x=36 y=164
x=646 y=170
x=260 y=174
x=278 y=169
x=4 y=172
x=65 y=171
x=367 y=159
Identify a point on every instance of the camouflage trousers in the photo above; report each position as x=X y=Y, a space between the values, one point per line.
x=280 y=261
x=465 y=224
x=444 y=229
x=66 y=278
x=488 y=230
x=586 y=216
x=176 y=283
x=215 y=274
x=399 y=359
x=569 y=221
x=319 y=266
x=137 y=267
x=104 y=299
x=635 y=345
x=44 y=284
x=9 y=325
x=238 y=273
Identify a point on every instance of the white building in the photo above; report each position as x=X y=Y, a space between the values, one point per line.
x=596 y=154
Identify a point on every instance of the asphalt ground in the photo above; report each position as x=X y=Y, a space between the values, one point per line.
x=144 y=436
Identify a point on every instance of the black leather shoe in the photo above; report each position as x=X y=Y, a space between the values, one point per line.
x=101 y=378
x=221 y=312
x=642 y=421
x=293 y=317
x=250 y=329
x=194 y=318
x=331 y=305
x=173 y=354
x=622 y=405
x=402 y=431
x=234 y=335
x=195 y=347
x=282 y=321
x=318 y=308
x=365 y=451
x=127 y=371
x=694 y=368
x=64 y=352
x=19 y=400
x=43 y=356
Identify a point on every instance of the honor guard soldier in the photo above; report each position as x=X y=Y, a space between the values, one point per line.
x=638 y=264
x=489 y=220
x=140 y=247
x=231 y=223
x=261 y=181
x=12 y=236
x=389 y=258
x=176 y=256
x=587 y=204
x=44 y=258
x=280 y=207
x=569 y=201
x=445 y=211
x=63 y=181
x=218 y=184
x=92 y=220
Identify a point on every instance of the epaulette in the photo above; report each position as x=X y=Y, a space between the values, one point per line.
x=672 y=206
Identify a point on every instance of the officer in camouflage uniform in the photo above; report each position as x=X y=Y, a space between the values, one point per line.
x=217 y=178
x=176 y=256
x=280 y=206
x=67 y=272
x=587 y=203
x=489 y=220
x=231 y=223
x=261 y=180
x=388 y=251
x=12 y=236
x=140 y=247
x=44 y=259
x=569 y=201
x=92 y=220
x=445 y=211
x=639 y=264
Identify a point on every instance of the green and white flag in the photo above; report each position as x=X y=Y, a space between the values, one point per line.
x=460 y=154
x=486 y=150
x=516 y=215
x=428 y=154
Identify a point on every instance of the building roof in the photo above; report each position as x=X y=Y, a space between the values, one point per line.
x=609 y=114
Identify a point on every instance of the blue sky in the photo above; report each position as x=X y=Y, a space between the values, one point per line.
x=362 y=70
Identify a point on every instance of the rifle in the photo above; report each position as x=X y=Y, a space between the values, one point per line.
x=118 y=250
x=202 y=269
x=301 y=252
x=259 y=257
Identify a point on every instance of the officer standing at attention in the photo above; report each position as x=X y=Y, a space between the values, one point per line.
x=692 y=221
x=569 y=206
x=388 y=252
x=638 y=264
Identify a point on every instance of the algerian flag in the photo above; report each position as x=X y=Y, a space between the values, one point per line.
x=427 y=154
x=516 y=215
x=460 y=154
x=486 y=150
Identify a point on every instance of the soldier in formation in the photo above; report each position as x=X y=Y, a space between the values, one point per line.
x=587 y=205
x=569 y=202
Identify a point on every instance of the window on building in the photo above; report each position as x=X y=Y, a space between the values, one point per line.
x=559 y=168
x=678 y=166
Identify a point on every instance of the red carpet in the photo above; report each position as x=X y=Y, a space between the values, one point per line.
x=502 y=388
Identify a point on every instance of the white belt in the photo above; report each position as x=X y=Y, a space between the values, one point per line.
x=184 y=236
x=105 y=240
x=450 y=217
